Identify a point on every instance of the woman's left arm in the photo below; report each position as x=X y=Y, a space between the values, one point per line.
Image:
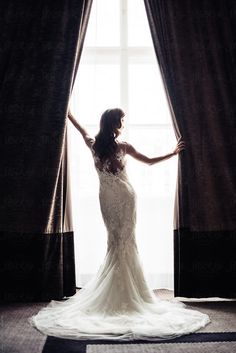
x=88 y=139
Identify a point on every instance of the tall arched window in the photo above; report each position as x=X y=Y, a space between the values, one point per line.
x=118 y=68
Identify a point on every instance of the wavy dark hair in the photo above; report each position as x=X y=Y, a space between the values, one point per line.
x=105 y=145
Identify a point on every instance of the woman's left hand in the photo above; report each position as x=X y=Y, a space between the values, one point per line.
x=179 y=147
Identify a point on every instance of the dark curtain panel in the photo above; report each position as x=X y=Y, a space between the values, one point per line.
x=41 y=43
x=195 y=44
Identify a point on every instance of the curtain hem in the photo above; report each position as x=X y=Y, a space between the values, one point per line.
x=204 y=263
x=36 y=267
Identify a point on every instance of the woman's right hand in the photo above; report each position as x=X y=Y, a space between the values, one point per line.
x=179 y=147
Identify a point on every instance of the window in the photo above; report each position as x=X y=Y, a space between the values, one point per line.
x=118 y=68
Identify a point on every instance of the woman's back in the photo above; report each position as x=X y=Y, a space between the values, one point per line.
x=115 y=163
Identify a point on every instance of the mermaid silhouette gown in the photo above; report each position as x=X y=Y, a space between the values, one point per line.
x=117 y=303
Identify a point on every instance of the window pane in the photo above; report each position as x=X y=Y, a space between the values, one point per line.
x=157 y=180
x=155 y=188
x=87 y=220
x=104 y=24
x=147 y=99
x=138 y=27
x=94 y=91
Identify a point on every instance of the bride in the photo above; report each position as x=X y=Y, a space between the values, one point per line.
x=117 y=303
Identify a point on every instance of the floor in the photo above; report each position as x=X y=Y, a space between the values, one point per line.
x=17 y=336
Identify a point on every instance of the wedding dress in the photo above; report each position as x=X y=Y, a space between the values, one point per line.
x=117 y=303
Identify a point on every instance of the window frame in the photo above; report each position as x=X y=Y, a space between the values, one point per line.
x=123 y=55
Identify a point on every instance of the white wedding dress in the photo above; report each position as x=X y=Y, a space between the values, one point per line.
x=117 y=303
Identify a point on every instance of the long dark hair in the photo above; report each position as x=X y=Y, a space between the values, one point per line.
x=105 y=145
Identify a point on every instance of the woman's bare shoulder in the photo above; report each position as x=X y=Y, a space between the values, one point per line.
x=122 y=145
x=125 y=146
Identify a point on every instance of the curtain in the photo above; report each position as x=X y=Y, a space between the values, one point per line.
x=195 y=48
x=41 y=43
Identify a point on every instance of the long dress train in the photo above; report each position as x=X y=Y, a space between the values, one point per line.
x=117 y=303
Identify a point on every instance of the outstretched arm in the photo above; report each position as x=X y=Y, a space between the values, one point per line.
x=150 y=161
x=83 y=132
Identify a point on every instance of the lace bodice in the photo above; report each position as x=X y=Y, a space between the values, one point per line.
x=112 y=165
x=117 y=195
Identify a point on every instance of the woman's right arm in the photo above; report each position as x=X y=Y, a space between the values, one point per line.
x=88 y=139
x=150 y=161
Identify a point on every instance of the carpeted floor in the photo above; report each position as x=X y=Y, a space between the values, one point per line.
x=17 y=336
x=206 y=347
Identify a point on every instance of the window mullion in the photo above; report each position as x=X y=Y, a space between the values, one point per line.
x=124 y=60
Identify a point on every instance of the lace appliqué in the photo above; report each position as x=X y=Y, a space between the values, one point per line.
x=106 y=167
x=118 y=207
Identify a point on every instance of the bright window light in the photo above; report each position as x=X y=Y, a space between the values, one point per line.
x=118 y=68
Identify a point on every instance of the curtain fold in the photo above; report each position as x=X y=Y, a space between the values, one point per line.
x=195 y=48
x=67 y=213
x=41 y=43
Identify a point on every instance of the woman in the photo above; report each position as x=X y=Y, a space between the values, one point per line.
x=117 y=303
